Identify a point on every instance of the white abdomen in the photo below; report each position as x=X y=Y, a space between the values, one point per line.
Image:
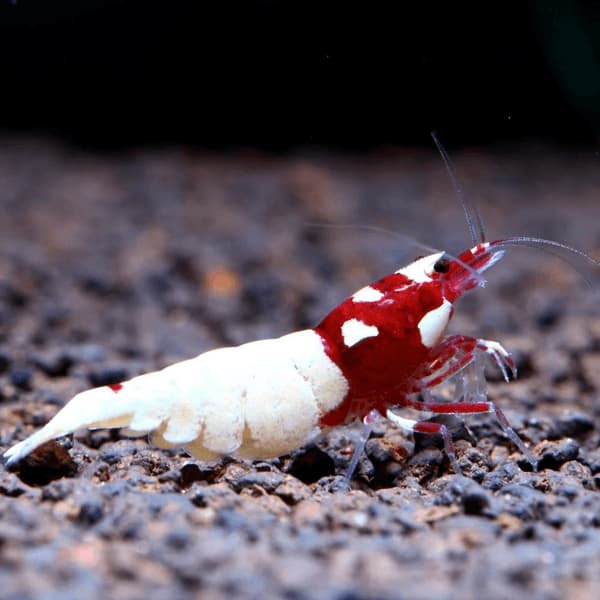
x=261 y=399
x=257 y=400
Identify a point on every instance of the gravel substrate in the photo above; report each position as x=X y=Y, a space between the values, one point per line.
x=113 y=266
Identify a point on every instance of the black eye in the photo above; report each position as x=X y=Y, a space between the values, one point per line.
x=442 y=266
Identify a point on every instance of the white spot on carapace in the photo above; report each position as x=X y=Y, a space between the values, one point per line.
x=355 y=331
x=367 y=294
x=433 y=324
x=420 y=270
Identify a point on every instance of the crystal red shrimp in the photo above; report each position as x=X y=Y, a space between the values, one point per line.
x=381 y=348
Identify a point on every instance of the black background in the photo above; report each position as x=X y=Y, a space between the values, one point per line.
x=282 y=74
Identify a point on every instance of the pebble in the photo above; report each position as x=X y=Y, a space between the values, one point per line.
x=572 y=424
x=58 y=490
x=91 y=509
x=292 y=490
x=21 y=377
x=592 y=459
x=215 y=496
x=54 y=364
x=116 y=451
x=268 y=481
x=475 y=500
x=522 y=501
x=11 y=485
x=553 y=454
x=108 y=376
x=48 y=462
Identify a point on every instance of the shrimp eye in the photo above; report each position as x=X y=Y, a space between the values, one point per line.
x=442 y=266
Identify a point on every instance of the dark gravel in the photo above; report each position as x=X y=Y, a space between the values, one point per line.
x=114 y=266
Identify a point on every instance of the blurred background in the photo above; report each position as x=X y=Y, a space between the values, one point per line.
x=282 y=74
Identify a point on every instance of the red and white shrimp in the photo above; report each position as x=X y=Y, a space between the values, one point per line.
x=383 y=347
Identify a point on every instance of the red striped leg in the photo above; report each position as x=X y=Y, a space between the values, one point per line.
x=447 y=358
x=431 y=428
x=452 y=367
x=455 y=353
x=454 y=408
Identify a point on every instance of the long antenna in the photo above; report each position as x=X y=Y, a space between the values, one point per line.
x=523 y=240
x=549 y=246
x=475 y=227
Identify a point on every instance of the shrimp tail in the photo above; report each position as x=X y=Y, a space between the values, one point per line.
x=99 y=407
x=102 y=407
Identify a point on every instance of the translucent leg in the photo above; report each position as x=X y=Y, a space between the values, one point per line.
x=457 y=352
x=452 y=408
x=360 y=442
x=430 y=428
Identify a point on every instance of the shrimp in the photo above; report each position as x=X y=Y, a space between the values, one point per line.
x=383 y=347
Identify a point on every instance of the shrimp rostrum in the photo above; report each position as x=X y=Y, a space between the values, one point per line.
x=383 y=347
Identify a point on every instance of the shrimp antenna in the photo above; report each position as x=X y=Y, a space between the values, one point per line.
x=550 y=246
x=535 y=241
x=475 y=226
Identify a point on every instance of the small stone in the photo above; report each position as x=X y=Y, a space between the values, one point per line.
x=115 y=452
x=216 y=496
x=108 y=376
x=292 y=491
x=426 y=463
x=57 y=490
x=523 y=501
x=592 y=460
x=48 y=462
x=571 y=424
x=54 y=364
x=91 y=509
x=115 y=488
x=475 y=500
x=379 y=451
x=500 y=476
x=11 y=485
x=268 y=481
x=21 y=378
x=554 y=454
